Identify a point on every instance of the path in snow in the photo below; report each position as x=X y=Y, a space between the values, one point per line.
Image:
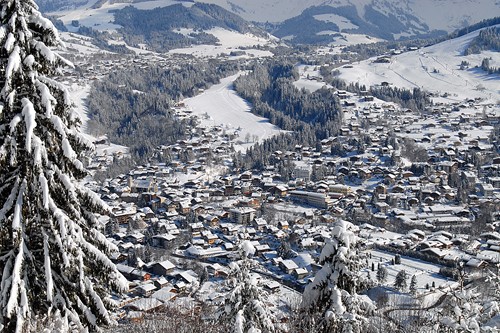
x=225 y=107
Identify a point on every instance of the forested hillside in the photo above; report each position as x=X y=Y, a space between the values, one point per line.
x=311 y=116
x=133 y=106
x=151 y=27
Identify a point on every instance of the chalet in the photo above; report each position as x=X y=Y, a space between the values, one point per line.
x=144 y=305
x=162 y=268
x=217 y=270
x=161 y=282
x=146 y=290
x=135 y=238
x=259 y=224
x=272 y=286
x=131 y=273
x=300 y=273
x=123 y=216
x=288 y=266
x=163 y=240
x=210 y=238
x=283 y=225
x=164 y=295
x=184 y=207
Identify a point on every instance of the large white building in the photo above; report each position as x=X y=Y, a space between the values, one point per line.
x=243 y=215
x=320 y=200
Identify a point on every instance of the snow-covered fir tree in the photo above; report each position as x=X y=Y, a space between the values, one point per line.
x=473 y=308
x=244 y=305
x=401 y=282
x=382 y=274
x=413 y=285
x=330 y=303
x=53 y=263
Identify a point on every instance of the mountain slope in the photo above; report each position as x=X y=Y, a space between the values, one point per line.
x=381 y=18
x=310 y=21
x=442 y=69
x=159 y=25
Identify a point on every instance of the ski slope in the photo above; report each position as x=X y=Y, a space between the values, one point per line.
x=225 y=107
x=435 y=69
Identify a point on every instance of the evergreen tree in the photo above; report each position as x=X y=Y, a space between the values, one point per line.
x=244 y=307
x=382 y=274
x=54 y=264
x=330 y=303
x=400 y=283
x=413 y=285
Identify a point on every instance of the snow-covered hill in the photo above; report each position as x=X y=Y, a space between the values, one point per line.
x=437 y=14
x=163 y=25
x=435 y=69
x=309 y=20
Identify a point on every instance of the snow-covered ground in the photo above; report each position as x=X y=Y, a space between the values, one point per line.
x=223 y=106
x=307 y=78
x=426 y=273
x=229 y=41
x=435 y=69
x=78 y=93
x=101 y=18
x=442 y=15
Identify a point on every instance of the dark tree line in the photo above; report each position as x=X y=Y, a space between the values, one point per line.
x=133 y=106
x=415 y=99
x=150 y=26
x=488 y=39
x=271 y=91
x=486 y=66
x=311 y=116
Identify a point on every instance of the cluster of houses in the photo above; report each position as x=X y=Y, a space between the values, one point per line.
x=180 y=210
x=425 y=184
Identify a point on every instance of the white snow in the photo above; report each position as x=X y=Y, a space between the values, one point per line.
x=247 y=248
x=45 y=190
x=435 y=69
x=29 y=118
x=342 y=22
x=48 y=269
x=224 y=106
x=12 y=65
x=228 y=41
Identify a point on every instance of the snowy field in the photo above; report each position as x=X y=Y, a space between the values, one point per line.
x=224 y=107
x=425 y=272
x=228 y=41
x=307 y=81
x=78 y=95
x=102 y=18
x=435 y=69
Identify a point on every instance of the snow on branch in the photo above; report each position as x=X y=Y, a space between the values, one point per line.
x=30 y=120
x=47 y=99
x=16 y=220
x=48 y=268
x=13 y=64
x=10 y=200
x=15 y=286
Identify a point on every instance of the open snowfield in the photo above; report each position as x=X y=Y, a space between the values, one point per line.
x=307 y=81
x=224 y=106
x=435 y=69
x=228 y=41
x=78 y=95
x=425 y=272
x=102 y=18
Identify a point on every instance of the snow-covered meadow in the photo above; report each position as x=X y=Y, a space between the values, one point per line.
x=435 y=69
x=220 y=105
x=230 y=41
